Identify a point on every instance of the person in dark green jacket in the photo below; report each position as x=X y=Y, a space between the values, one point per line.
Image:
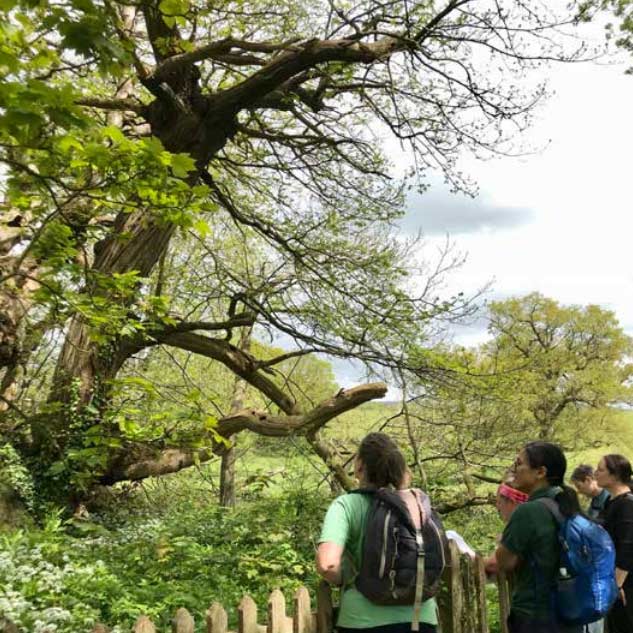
x=529 y=545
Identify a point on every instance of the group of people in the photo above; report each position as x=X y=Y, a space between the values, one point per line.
x=529 y=546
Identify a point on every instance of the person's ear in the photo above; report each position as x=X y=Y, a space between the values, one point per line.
x=541 y=472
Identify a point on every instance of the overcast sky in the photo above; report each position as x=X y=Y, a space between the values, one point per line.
x=559 y=222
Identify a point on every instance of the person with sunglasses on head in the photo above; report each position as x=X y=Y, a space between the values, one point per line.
x=614 y=475
x=529 y=545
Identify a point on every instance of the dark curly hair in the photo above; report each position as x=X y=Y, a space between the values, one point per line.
x=383 y=461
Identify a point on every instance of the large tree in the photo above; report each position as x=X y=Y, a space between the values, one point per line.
x=138 y=135
x=561 y=358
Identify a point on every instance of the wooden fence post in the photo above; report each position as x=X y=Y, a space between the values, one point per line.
x=325 y=611
x=97 y=628
x=455 y=589
x=144 y=625
x=504 y=600
x=469 y=617
x=302 y=620
x=217 y=622
x=182 y=622
x=278 y=621
x=480 y=595
x=247 y=617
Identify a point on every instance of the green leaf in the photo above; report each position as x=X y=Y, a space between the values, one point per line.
x=202 y=228
x=66 y=144
x=182 y=164
x=57 y=468
x=114 y=134
x=154 y=146
x=173 y=7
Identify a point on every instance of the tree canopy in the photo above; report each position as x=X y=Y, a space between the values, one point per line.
x=176 y=171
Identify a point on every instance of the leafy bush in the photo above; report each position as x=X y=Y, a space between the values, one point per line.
x=183 y=555
x=44 y=588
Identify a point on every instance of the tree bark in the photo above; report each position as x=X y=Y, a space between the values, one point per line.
x=227 y=466
x=18 y=283
x=84 y=368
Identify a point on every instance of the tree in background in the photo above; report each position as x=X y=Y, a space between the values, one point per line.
x=563 y=358
x=136 y=135
x=549 y=371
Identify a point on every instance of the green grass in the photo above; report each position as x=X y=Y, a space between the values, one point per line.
x=617 y=437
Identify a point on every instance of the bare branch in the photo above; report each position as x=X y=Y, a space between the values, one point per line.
x=238 y=361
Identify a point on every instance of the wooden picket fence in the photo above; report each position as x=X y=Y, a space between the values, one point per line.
x=461 y=602
x=303 y=620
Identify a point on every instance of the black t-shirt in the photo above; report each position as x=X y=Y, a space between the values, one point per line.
x=617 y=519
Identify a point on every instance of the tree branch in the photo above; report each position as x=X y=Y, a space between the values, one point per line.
x=280 y=426
x=214 y=50
x=129 y=105
x=161 y=462
x=447 y=507
x=238 y=361
x=243 y=319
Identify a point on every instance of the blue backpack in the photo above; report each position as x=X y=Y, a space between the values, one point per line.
x=586 y=587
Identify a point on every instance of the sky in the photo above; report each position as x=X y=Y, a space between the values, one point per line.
x=559 y=221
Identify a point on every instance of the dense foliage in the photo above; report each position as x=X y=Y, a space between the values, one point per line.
x=169 y=548
x=152 y=557
x=176 y=173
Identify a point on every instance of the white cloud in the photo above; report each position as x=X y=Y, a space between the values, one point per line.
x=577 y=248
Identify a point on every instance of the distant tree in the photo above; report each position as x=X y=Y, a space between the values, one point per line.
x=562 y=357
x=549 y=371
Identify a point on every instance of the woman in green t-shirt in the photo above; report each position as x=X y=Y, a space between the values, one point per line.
x=529 y=545
x=379 y=464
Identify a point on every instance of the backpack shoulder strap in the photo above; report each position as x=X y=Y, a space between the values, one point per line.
x=553 y=508
x=424 y=502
